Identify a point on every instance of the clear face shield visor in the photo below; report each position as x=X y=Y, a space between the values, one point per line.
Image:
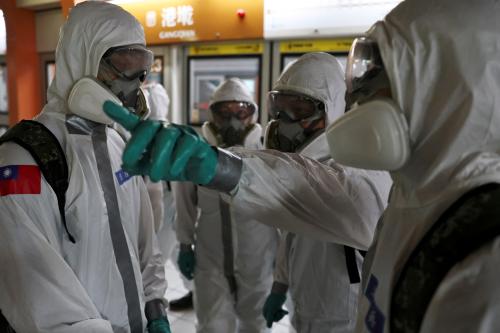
x=365 y=73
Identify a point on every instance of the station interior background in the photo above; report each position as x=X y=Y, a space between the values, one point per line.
x=197 y=45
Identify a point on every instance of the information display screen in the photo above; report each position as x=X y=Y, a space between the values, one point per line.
x=299 y=18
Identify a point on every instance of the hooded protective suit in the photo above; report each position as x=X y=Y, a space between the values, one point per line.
x=158 y=100
x=101 y=282
x=160 y=193
x=234 y=90
x=443 y=65
x=324 y=298
x=226 y=244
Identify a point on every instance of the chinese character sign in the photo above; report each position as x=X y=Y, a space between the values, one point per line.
x=185 y=15
x=182 y=15
x=197 y=20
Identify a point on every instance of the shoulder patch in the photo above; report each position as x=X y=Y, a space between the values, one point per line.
x=20 y=179
x=122 y=176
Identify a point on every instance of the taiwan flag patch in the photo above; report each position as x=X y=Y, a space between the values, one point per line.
x=20 y=179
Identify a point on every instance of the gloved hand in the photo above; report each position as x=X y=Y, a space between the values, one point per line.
x=273 y=311
x=164 y=151
x=159 y=325
x=186 y=261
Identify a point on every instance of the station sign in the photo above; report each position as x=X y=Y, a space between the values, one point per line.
x=177 y=21
x=316 y=45
x=226 y=49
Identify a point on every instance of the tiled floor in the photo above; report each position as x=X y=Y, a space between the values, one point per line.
x=184 y=322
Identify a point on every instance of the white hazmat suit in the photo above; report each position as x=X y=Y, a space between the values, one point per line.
x=101 y=282
x=316 y=271
x=442 y=61
x=160 y=193
x=226 y=244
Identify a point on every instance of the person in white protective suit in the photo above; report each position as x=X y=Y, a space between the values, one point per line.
x=159 y=192
x=233 y=256
x=161 y=201
x=430 y=73
x=101 y=270
x=322 y=277
x=161 y=195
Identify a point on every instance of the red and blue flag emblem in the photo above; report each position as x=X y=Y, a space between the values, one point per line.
x=20 y=179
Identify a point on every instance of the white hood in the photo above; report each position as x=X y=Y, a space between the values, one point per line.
x=91 y=29
x=320 y=76
x=234 y=90
x=158 y=101
x=443 y=62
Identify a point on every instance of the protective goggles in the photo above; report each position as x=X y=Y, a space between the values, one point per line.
x=129 y=62
x=365 y=72
x=364 y=59
x=296 y=107
x=239 y=110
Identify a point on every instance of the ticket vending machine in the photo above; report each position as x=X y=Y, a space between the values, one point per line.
x=208 y=65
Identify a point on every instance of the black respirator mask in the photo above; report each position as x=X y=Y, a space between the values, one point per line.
x=296 y=118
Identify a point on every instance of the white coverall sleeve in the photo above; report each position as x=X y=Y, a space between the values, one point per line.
x=39 y=291
x=186 y=205
x=281 y=268
x=152 y=268
x=306 y=197
x=155 y=191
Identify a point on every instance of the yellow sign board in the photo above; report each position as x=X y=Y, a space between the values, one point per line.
x=176 y=21
x=226 y=49
x=316 y=45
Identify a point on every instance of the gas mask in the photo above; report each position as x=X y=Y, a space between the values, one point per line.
x=127 y=91
x=87 y=97
x=298 y=119
x=230 y=137
x=123 y=70
x=374 y=133
x=231 y=123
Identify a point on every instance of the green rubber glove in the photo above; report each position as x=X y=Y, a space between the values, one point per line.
x=164 y=151
x=186 y=261
x=273 y=311
x=159 y=325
